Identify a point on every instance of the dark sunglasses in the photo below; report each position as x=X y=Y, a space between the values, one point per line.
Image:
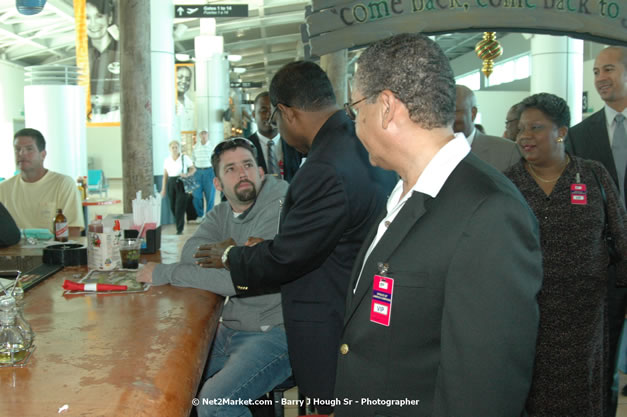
x=276 y=108
x=350 y=111
x=236 y=142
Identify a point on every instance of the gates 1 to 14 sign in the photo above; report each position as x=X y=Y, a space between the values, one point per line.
x=206 y=10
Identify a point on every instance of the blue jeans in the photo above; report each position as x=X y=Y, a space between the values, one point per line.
x=204 y=176
x=243 y=365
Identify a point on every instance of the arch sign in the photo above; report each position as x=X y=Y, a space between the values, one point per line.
x=332 y=25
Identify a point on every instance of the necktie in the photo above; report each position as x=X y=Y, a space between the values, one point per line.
x=273 y=165
x=619 y=150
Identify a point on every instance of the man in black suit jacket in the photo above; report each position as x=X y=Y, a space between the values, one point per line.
x=290 y=158
x=441 y=316
x=330 y=205
x=590 y=139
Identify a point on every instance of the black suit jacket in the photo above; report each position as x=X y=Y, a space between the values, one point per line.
x=590 y=140
x=329 y=207
x=467 y=266
x=9 y=232
x=291 y=158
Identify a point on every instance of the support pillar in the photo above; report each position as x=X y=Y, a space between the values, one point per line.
x=557 y=68
x=334 y=64
x=135 y=77
x=212 y=81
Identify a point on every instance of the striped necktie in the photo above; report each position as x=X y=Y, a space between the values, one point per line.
x=273 y=165
x=619 y=150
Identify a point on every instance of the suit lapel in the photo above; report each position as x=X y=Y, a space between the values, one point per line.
x=598 y=143
x=411 y=212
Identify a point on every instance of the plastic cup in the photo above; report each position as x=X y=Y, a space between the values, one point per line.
x=129 y=252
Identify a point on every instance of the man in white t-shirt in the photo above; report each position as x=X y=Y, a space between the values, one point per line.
x=33 y=196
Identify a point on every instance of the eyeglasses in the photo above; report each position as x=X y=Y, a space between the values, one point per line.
x=232 y=143
x=350 y=111
x=272 y=121
x=276 y=108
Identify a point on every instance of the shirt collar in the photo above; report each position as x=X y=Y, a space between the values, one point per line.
x=610 y=115
x=265 y=139
x=471 y=137
x=441 y=165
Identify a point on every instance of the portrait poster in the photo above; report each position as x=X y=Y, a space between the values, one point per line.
x=184 y=78
x=103 y=35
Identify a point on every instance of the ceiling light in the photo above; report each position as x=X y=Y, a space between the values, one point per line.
x=234 y=58
x=239 y=70
x=30 y=7
x=181 y=57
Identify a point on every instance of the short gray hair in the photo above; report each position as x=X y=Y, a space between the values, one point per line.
x=417 y=71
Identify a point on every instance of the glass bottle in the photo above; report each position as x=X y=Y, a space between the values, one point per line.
x=60 y=227
x=12 y=344
x=20 y=321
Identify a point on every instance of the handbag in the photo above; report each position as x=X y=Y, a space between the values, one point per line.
x=189 y=183
x=613 y=252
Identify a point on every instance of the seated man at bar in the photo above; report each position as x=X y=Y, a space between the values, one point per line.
x=249 y=355
x=33 y=196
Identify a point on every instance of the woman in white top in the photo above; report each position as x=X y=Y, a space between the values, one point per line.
x=176 y=165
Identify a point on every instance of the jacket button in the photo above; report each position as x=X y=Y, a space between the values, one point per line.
x=344 y=349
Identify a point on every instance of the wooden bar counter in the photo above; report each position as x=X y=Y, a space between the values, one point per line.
x=111 y=355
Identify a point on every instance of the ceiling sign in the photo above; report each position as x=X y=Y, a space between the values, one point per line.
x=246 y=84
x=211 y=10
x=332 y=25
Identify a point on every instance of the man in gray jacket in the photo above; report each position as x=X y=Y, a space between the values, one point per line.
x=249 y=355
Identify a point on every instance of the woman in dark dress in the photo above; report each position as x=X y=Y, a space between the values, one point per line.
x=571 y=349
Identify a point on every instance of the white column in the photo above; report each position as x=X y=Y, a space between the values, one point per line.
x=212 y=81
x=557 y=68
x=55 y=105
x=163 y=85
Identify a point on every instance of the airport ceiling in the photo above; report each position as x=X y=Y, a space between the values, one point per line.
x=267 y=39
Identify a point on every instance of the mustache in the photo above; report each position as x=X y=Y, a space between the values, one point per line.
x=244 y=181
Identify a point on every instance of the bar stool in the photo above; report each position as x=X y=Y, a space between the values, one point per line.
x=277 y=395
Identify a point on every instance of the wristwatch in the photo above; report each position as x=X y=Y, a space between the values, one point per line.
x=225 y=257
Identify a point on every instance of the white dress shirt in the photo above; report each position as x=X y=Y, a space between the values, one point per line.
x=430 y=182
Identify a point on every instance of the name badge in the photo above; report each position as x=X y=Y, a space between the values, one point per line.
x=578 y=194
x=381 y=305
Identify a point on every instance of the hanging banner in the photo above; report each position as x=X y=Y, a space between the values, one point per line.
x=332 y=25
x=185 y=97
x=82 y=61
x=100 y=34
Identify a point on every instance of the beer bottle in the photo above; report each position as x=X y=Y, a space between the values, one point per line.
x=60 y=227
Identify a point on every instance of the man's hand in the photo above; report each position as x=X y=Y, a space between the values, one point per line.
x=145 y=273
x=210 y=256
x=252 y=241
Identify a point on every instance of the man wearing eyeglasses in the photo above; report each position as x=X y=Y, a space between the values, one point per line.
x=511 y=122
x=441 y=316
x=249 y=354
x=273 y=155
x=330 y=205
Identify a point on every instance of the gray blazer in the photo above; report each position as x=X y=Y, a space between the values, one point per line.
x=498 y=152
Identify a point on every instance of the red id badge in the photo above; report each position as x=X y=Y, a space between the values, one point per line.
x=381 y=306
x=578 y=194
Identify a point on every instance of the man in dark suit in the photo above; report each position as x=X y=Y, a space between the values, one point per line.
x=441 y=316
x=498 y=152
x=285 y=159
x=599 y=137
x=330 y=205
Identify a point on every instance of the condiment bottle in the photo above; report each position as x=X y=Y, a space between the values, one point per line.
x=20 y=321
x=60 y=227
x=12 y=344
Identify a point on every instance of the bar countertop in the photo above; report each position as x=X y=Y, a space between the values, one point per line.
x=116 y=355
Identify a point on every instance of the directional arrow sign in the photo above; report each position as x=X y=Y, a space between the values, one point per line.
x=207 y=10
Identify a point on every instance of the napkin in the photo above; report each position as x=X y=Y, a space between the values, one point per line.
x=75 y=286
